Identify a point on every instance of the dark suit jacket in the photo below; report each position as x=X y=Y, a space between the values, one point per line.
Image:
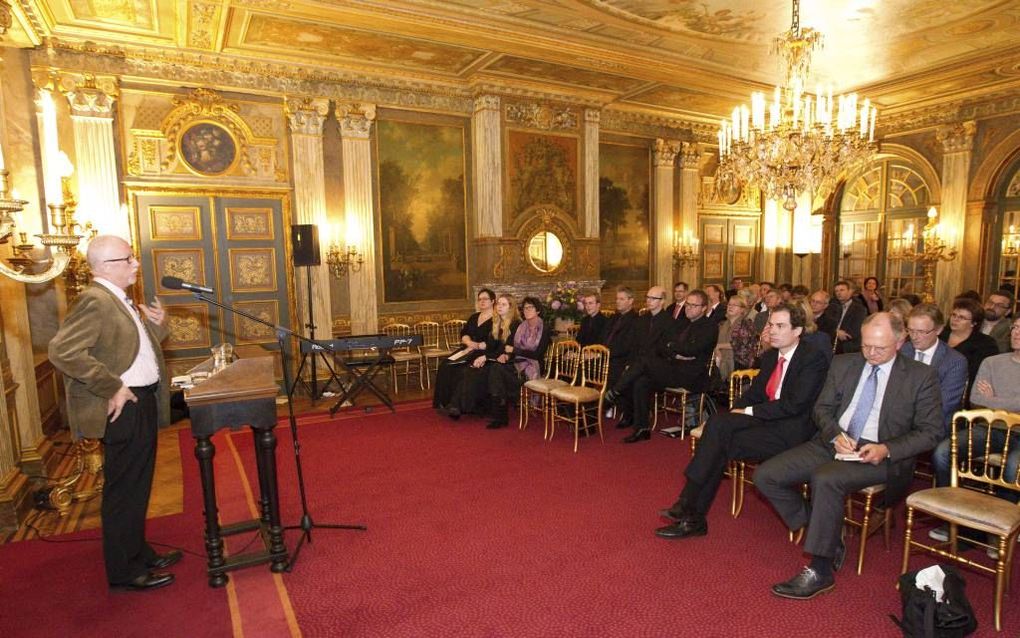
x=951 y=366
x=97 y=342
x=910 y=422
x=681 y=318
x=592 y=329
x=790 y=414
x=652 y=335
x=855 y=316
x=620 y=335
x=718 y=314
x=698 y=339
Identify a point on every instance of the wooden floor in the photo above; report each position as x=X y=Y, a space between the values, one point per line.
x=168 y=486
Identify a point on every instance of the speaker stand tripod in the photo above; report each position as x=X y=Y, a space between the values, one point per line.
x=312 y=356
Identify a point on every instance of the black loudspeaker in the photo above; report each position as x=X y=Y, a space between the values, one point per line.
x=304 y=244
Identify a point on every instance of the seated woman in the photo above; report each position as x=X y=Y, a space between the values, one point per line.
x=472 y=344
x=470 y=394
x=737 y=338
x=964 y=335
x=526 y=352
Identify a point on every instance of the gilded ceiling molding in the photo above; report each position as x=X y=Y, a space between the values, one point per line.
x=957 y=137
x=6 y=17
x=645 y=125
x=355 y=119
x=203 y=21
x=988 y=106
x=592 y=116
x=88 y=95
x=690 y=155
x=664 y=152
x=539 y=94
x=544 y=117
x=306 y=115
x=486 y=103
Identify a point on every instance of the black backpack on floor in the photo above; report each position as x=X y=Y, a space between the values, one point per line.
x=926 y=617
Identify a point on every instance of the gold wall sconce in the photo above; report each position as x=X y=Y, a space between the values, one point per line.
x=685 y=250
x=344 y=260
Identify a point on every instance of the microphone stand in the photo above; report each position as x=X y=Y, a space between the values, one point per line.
x=307 y=524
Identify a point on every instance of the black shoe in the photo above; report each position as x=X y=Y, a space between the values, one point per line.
x=673 y=513
x=153 y=580
x=805 y=585
x=684 y=528
x=641 y=435
x=162 y=561
x=453 y=413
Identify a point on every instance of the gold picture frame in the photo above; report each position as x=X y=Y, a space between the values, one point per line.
x=252 y=269
x=175 y=223
x=184 y=263
x=250 y=224
x=208 y=149
x=247 y=331
x=188 y=326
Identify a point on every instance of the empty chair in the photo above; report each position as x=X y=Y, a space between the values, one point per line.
x=585 y=396
x=561 y=366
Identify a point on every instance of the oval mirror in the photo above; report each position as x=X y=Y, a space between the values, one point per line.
x=545 y=251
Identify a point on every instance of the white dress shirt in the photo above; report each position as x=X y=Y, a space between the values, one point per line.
x=144 y=370
x=870 y=432
x=749 y=410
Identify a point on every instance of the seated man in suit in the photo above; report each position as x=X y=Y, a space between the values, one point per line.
x=846 y=315
x=716 y=308
x=647 y=331
x=771 y=300
x=773 y=415
x=676 y=356
x=593 y=323
x=819 y=301
x=676 y=309
x=619 y=336
x=879 y=407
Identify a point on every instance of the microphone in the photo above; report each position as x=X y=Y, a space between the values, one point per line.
x=176 y=283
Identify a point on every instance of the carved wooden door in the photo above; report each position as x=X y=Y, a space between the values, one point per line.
x=235 y=245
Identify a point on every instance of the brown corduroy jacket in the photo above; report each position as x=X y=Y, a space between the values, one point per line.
x=97 y=342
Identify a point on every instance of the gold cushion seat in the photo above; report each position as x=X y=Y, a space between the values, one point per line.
x=436 y=352
x=405 y=356
x=576 y=394
x=872 y=490
x=545 y=385
x=969 y=508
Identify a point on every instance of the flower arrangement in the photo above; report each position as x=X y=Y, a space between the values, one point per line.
x=564 y=302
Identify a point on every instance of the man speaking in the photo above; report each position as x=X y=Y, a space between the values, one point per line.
x=117 y=390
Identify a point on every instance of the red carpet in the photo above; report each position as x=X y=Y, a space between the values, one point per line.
x=472 y=532
x=497 y=533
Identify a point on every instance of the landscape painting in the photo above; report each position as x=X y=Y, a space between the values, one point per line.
x=624 y=214
x=422 y=208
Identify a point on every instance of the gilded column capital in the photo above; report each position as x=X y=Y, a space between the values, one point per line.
x=665 y=152
x=89 y=95
x=592 y=116
x=957 y=137
x=486 y=103
x=6 y=19
x=355 y=119
x=306 y=115
x=690 y=155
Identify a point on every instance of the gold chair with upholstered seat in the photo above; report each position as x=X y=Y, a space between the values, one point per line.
x=407 y=356
x=676 y=400
x=866 y=500
x=976 y=457
x=586 y=395
x=433 y=347
x=561 y=366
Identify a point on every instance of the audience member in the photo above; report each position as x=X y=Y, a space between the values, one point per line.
x=737 y=338
x=963 y=335
x=677 y=357
x=521 y=360
x=593 y=323
x=859 y=389
x=763 y=290
x=785 y=292
x=773 y=415
x=470 y=393
x=820 y=340
x=870 y=297
x=847 y=316
x=911 y=298
x=619 y=337
x=799 y=293
x=676 y=309
x=996 y=323
x=924 y=324
x=716 y=309
x=772 y=299
x=472 y=339
x=819 y=302
x=900 y=307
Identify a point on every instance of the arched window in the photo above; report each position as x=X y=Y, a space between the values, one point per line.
x=1007 y=267
x=882 y=213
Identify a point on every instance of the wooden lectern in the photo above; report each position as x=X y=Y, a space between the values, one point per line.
x=241 y=394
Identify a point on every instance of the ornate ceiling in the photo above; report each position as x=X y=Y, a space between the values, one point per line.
x=693 y=58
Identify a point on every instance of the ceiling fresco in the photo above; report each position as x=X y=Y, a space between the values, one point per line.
x=693 y=57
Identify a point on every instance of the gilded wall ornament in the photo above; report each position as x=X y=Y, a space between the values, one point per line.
x=957 y=137
x=541 y=116
x=664 y=152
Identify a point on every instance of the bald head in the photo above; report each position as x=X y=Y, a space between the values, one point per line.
x=110 y=257
x=882 y=334
x=103 y=247
x=655 y=298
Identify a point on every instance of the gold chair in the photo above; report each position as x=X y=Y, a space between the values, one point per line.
x=561 y=365
x=587 y=394
x=432 y=348
x=451 y=333
x=406 y=356
x=982 y=463
x=865 y=499
x=674 y=401
x=740 y=380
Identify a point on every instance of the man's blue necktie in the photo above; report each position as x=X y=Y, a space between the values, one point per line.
x=864 y=404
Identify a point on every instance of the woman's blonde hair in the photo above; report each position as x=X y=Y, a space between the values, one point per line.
x=809 y=317
x=501 y=325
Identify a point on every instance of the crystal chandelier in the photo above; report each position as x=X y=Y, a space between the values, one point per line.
x=799 y=142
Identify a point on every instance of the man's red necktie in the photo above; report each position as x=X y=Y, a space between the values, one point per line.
x=777 y=375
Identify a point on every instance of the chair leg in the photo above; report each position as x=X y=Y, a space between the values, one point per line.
x=864 y=533
x=740 y=481
x=655 y=409
x=599 y=422
x=1000 y=582
x=906 y=539
x=522 y=414
x=553 y=415
x=577 y=435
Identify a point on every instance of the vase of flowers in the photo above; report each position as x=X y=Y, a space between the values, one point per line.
x=563 y=306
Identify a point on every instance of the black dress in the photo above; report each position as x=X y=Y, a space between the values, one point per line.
x=504 y=382
x=977 y=347
x=471 y=396
x=448 y=375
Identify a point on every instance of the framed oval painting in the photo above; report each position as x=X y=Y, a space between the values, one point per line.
x=208 y=149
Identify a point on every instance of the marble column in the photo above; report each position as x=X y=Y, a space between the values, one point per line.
x=957 y=143
x=664 y=157
x=487 y=160
x=13 y=482
x=99 y=201
x=306 y=117
x=591 y=172
x=359 y=218
x=690 y=184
